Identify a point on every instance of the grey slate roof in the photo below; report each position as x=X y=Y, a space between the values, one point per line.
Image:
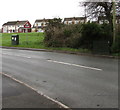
x=42 y=20
x=74 y=18
x=10 y=23
x=15 y=23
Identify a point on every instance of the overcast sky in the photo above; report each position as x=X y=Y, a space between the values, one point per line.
x=12 y=10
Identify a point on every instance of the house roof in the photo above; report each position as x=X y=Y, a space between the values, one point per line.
x=21 y=22
x=10 y=23
x=15 y=22
x=74 y=18
x=41 y=20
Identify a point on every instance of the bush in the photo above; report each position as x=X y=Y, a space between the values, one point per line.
x=72 y=35
x=92 y=32
x=52 y=35
x=58 y=38
x=62 y=35
x=76 y=36
x=107 y=33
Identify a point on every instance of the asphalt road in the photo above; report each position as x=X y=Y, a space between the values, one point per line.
x=76 y=81
x=0 y=80
x=0 y=91
x=17 y=95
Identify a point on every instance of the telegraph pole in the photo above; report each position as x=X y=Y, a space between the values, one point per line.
x=114 y=21
x=85 y=10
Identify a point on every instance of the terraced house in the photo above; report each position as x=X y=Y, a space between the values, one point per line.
x=40 y=24
x=16 y=27
x=75 y=20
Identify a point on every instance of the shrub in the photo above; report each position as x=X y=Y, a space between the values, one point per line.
x=106 y=33
x=73 y=41
x=62 y=36
x=76 y=36
x=90 y=32
x=72 y=35
x=58 y=38
x=93 y=31
x=51 y=36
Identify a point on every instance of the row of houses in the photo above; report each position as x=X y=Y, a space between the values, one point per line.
x=40 y=24
x=16 y=27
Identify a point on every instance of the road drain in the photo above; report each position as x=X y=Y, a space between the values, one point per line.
x=98 y=105
x=48 y=59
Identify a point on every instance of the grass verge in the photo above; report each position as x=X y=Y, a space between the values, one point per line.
x=29 y=40
x=35 y=40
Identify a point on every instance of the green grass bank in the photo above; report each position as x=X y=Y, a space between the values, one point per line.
x=33 y=40
x=30 y=40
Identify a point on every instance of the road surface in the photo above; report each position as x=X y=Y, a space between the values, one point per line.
x=76 y=81
x=17 y=95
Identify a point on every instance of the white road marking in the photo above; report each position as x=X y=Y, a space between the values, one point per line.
x=81 y=66
x=39 y=92
x=65 y=63
x=5 y=53
x=21 y=55
x=28 y=57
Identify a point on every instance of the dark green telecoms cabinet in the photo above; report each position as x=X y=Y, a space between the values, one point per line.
x=15 y=39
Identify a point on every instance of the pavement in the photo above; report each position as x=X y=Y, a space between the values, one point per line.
x=17 y=95
x=74 y=80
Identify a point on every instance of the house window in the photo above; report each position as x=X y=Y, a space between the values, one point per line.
x=42 y=24
x=27 y=25
x=73 y=22
x=70 y=23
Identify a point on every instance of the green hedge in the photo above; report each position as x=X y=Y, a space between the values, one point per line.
x=77 y=35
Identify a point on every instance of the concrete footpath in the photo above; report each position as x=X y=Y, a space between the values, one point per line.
x=16 y=95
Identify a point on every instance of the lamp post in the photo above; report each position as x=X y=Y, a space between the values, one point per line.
x=114 y=21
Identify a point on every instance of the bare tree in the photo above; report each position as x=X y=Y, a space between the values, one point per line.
x=101 y=8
